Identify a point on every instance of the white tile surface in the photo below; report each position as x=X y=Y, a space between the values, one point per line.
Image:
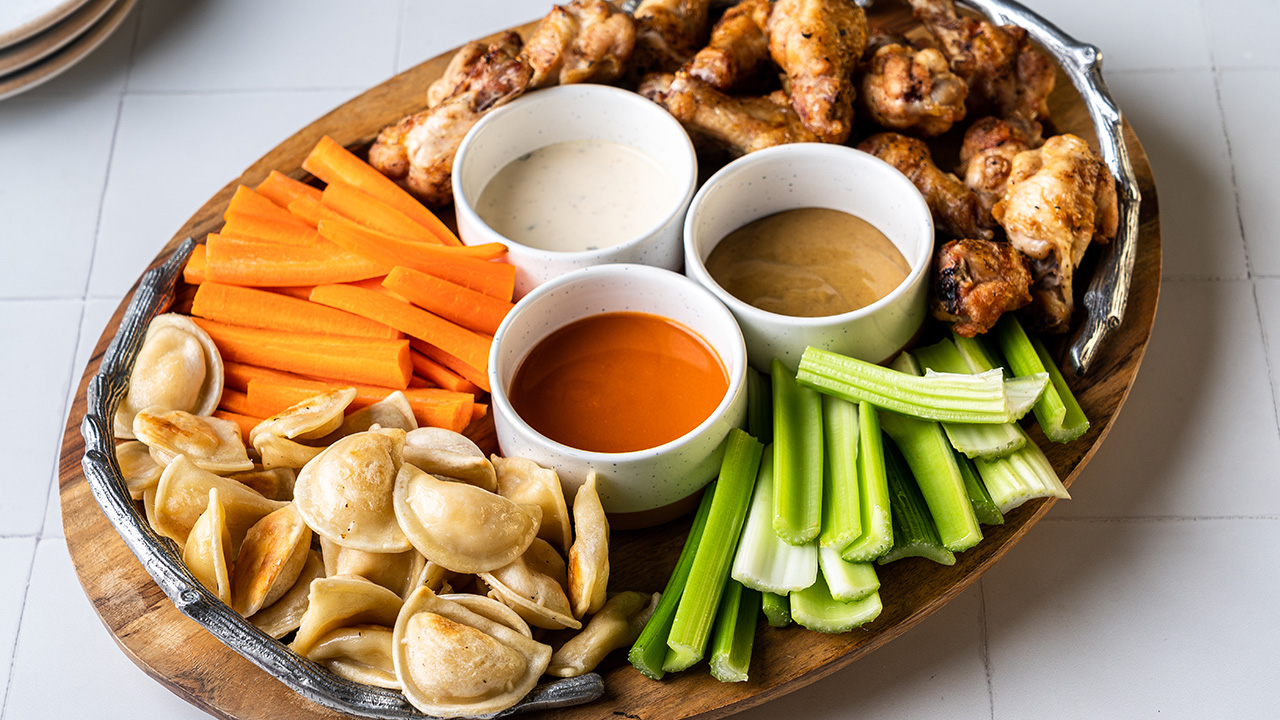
x=1202 y=389
x=1200 y=228
x=66 y=664
x=1269 y=311
x=175 y=151
x=250 y=45
x=1128 y=35
x=1250 y=105
x=35 y=370
x=1243 y=32
x=1169 y=619
x=15 y=566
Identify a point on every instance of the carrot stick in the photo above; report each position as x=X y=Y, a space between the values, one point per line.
x=392 y=241
x=419 y=382
x=333 y=163
x=311 y=211
x=451 y=301
x=261 y=264
x=194 y=271
x=236 y=375
x=261 y=309
x=373 y=213
x=282 y=189
x=467 y=266
x=360 y=360
x=249 y=203
x=468 y=346
x=302 y=292
x=432 y=407
x=260 y=228
x=236 y=401
x=245 y=422
x=479 y=377
x=434 y=372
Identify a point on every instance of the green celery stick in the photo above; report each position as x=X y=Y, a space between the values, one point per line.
x=1019 y=477
x=914 y=532
x=1057 y=410
x=974 y=440
x=776 y=609
x=759 y=406
x=983 y=507
x=763 y=561
x=841 y=507
x=977 y=353
x=873 y=492
x=650 y=649
x=847 y=581
x=816 y=609
x=716 y=547
x=949 y=397
x=797 y=453
x=734 y=633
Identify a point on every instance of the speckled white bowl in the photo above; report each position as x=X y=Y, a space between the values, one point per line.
x=828 y=176
x=560 y=114
x=645 y=487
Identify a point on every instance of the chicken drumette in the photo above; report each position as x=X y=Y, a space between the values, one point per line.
x=954 y=206
x=1060 y=197
x=737 y=124
x=913 y=90
x=583 y=41
x=986 y=157
x=977 y=281
x=738 y=51
x=817 y=43
x=668 y=33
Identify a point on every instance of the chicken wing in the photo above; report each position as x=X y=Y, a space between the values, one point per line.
x=817 y=43
x=737 y=124
x=1059 y=198
x=986 y=157
x=913 y=90
x=583 y=41
x=418 y=151
x=668 y=32
x=738 y=51
x=1007 y=75
x=977 y=281
x=954 y=206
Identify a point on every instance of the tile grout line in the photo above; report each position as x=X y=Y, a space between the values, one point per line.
x=67 y=402
x=985 y=649
x=22 y=610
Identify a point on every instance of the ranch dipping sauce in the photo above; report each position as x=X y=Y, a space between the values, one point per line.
x=577 y=195
x=808 y=262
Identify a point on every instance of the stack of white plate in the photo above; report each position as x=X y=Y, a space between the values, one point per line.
x=40 y=39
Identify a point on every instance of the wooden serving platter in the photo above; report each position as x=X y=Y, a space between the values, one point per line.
x=179 y=653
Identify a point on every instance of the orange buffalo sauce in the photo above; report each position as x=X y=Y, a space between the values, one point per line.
x=619 y=382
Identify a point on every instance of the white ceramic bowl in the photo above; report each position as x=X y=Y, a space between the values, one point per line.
x=827 y=176
x=644 y=487
x=576 y=112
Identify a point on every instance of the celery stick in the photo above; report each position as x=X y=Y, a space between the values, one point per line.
x=847 y=581
x=1057 y=410
x=759 y=406
x=841 y=508
x=734 y=633
x=1019 y=477
x=650 y=649
x=732 y=497
x=987 y=440
x=815 y=609
x=873 y=492
x=797 y=454
x=983 y=507
x=763 y=561
x=914 y=532
x=976 y=353
x=776 y=609
x=951 y=397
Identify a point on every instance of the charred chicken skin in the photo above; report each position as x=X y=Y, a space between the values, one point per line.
x=977 y=281
x=954 y=206
x=817 y=43
x=738 y=51
x=582 y=41
x=986 y=158
x=1060 y=197
x=668 y=33
x=913 y=90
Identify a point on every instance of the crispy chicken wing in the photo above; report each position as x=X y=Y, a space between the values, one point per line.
x=668 y=32
x=1007 y=75
x=418 y=151
x=583 y=41
x=739 y=48
x=977 y=281
x=986 y=157
x=459 y=66
x=737 y=124
x=817 y=43
x=1059 y=198
x=955 y=207
x=913 y=90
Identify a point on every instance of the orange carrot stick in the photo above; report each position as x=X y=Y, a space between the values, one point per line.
x=236 y=375
x=333 y=163
x=311 y=211
x=194 y=271
x=467 y=266
x=358 y=360
x=236 y=401
x=434 y=372
x=261 y=264
x=419 y=382
x=451 y=301
x=468 y=346
x=246 y=201
x=302 y=292
x=391 y=242
x=373 y=213
x=475 y=375
x=431 y=406
x=282 y=189
x=245 y=422
x=270 y=229
x=261 y=309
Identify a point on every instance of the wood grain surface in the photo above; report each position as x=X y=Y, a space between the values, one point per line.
x=197 y=667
